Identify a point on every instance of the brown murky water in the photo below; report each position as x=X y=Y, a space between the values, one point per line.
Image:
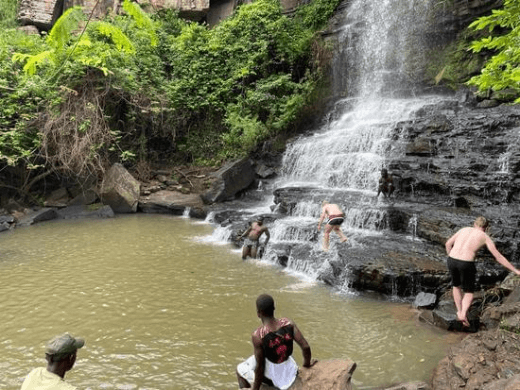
x=162 y=309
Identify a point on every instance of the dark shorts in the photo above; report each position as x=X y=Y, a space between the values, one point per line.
x=463 y=273
x=335 y=221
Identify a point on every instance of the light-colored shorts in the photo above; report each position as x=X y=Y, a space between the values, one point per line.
x=251 y=243
x=282 y=375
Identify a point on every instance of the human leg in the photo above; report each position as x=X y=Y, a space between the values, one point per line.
x=457 y=298
x=467 y=299
x=326 y=237
x=242 y=383
x=246 y=250
x=246 y=372
x=338 y=231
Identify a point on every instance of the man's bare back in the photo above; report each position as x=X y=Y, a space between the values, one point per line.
x=466 y=243
x=331 y=209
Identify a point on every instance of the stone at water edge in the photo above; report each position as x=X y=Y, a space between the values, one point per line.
x=335 y=374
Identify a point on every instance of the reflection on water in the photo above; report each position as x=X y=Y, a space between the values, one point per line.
x=161 y=309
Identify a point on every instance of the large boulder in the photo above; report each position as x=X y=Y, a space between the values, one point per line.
x=229 y=180
x=172 y=202
x=324 y=375
x=120 y=190
x=40 y=13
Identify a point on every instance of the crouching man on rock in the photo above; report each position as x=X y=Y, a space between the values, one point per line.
x=272 y=362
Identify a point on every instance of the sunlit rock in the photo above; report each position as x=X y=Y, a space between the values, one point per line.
x=120 y=190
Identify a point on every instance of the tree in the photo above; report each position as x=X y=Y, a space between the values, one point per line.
x=503 y=69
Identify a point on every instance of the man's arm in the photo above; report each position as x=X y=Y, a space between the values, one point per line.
x=304 y=345
x=322 y=217
x=267 y=234
x=499 y=257
x=246 y=232
x=260 y=362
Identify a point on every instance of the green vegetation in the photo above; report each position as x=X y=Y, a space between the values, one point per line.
x=502 y=71
x=139 y=88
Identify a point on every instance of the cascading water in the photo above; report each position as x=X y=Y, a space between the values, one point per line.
x=376 y=72
x=380 y=44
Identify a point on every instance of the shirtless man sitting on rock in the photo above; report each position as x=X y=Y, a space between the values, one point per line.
x=335 y=218
x=253 y=233
x=462 y=248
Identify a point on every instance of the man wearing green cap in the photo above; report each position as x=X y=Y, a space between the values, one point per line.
x=60 y=354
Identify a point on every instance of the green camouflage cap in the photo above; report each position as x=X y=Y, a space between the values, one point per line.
x=63 y=344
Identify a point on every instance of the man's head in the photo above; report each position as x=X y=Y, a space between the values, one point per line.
x=324 y=203
x=260 y=220
x=482 y=222
x=384 y=172
x=62 y=349
x=265 y=305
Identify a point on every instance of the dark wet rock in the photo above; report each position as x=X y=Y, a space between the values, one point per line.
x=86 y=197
x=425 y=300
x=85 y=211
x=120 y=190
x=7 y=219
x=58 y=198
x=264 y=171
x=44 y=214
x=4 y=226
x=234 y=177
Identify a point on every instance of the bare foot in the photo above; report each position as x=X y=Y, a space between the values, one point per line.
x=462 y=319
x=344 y=239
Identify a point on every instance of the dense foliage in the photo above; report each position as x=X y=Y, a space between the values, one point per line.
x=502 y=71
x=138 y=87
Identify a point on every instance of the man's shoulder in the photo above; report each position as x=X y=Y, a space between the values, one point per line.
x=40 y=376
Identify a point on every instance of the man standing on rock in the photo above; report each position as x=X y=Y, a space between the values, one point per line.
x=253 y=233
x=60 y=354
x=272 y=362
x=335 y=218
x=462 y=248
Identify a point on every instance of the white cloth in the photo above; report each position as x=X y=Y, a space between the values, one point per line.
x=41 y=379
x=282 y=375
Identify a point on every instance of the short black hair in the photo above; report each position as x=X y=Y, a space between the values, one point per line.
x=265 y=305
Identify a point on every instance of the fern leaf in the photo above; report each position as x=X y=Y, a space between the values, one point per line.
x=117 y=36
x=141 y=19
x=63 y=28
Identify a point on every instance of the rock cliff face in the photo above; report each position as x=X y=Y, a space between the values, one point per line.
x=43 y=13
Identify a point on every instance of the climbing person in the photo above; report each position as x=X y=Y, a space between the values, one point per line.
x=462 y=248
x=386 y=184
x=335 y=218
x=252 y=242
x=60 y=353
x=272 y=362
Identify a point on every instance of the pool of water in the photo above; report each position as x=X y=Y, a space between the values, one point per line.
x=161 y=308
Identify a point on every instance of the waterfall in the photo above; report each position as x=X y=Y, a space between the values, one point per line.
x=376 y=69
x=376 y=64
